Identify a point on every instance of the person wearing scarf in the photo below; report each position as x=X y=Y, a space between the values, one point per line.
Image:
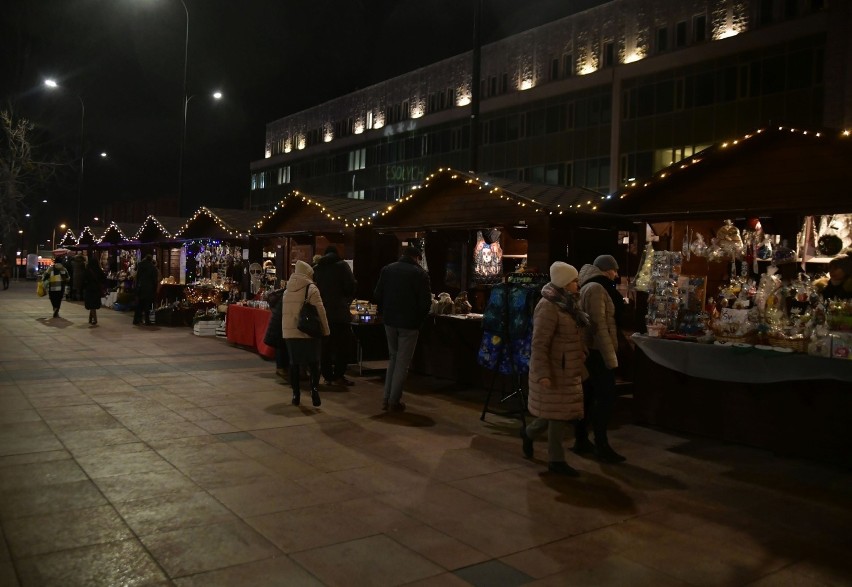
x=600 y=299
x=556 y=366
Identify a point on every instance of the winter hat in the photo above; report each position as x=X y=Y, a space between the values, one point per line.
x=303 y=268
x=606 y=262
x=561 y=274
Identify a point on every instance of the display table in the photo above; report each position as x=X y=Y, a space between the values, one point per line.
x=789 y=403
x=448 y=347
x=246 y=326
x=371 y=350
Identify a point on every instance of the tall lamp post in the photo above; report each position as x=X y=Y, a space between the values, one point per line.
x=216 y=96
x=50 y=83
x=53 y=239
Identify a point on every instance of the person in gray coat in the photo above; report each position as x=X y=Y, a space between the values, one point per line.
x=600 y=299
x=556 y=366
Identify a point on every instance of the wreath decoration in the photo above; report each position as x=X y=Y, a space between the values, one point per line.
x=829 y=245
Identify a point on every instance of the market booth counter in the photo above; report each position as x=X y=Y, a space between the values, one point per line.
x=738 y=223
x=475 y=231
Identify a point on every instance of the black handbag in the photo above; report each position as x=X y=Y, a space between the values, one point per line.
x=309 y=320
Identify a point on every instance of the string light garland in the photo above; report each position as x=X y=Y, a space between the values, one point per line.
x=695 y=159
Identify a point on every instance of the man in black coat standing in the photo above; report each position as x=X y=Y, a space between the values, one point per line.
x=404 y=296
x=336 y=284
x=147 y=281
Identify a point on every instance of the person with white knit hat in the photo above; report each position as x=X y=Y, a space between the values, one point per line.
x=601 y=300
x=556 y=366
x=301 y=347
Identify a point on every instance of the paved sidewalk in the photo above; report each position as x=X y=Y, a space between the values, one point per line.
x=148 y=456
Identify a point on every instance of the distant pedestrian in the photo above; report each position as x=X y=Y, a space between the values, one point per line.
x=336 y=283
x=5 y=271
x=94 y=283
x=601 y=300
x=145 y=287
x=404 y=296
x=557 y=353
x=56 y=279
x=301 y=347
x=77 y=269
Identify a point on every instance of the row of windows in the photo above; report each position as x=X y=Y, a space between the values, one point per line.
x=793 y=70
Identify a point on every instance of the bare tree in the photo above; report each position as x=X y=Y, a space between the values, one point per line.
x=22 y=175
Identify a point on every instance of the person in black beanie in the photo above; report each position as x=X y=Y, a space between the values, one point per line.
x=336 y=284
x=601 y=300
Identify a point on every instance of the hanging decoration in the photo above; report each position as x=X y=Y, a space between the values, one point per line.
x=488 y=258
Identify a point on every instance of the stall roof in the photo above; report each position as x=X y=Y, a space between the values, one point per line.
x=164 y=229
x=118 y=233
x=234 y=223
x=769 y=171
x=533 y=198
x=340 y=211
x=87 y=237
x=69 y=238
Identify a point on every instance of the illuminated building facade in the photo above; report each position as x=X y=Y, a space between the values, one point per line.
x=591 y=100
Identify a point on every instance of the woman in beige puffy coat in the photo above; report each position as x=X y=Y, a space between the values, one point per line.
x=301 y=348
x=556 y=365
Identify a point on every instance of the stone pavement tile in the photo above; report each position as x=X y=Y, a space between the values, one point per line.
x=493 y=572
x=64 y=530
x=309 y=527
x=144 y=484
x=8 y=576
x=121 y=459
x=569 y=554
x=34 y=457
x=435 y=501
x=453 y=464
x=72 y=412
x=331 y=458
x=614 y=571
x=55 y=403
x=216 y=426
x=95 y=421
x=436 y=546
x=32 y=475
x=49 y=499
x=382 y=478
x=194 y=452
x=115 y=563
x=168 y=512
x=264 y=497
x=442 y=580
x=377 y=515
x=17 y=410
x=195 y=550
x=272 y=572
x=374 y=560
x=228 y=474
x=83 y=439
x=167 y=430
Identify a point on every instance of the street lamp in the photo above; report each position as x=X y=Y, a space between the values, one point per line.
x=216 y=96
x=53 y=240
x=52 y=84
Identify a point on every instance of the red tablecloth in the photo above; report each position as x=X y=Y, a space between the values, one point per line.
x=246 y=326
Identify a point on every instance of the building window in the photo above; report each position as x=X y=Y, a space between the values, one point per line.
x=357 y=159
x=699 y=28
x=609 y=54
x=766 y=9
x=283 y=175
x=680 y=34
x=492 y=86
x=554 y=69
x=370 y=120
x=356 y=195
x=662 y=39
x=504 y=83
x=567 y=65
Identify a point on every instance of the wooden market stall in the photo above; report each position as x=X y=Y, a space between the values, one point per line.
x=780 y=177
x=158 y=234
x=476 y=232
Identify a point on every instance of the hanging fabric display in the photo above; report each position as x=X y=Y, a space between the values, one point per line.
x=488 y=258
x=507 y=328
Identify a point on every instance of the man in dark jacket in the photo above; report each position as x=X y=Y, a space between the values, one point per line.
x=147 y=280
x=336 y=284
x=404 y=296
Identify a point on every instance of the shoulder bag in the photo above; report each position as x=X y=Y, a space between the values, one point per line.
x=309 y=320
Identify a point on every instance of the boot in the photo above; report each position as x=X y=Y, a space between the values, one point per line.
x=604 y=451
x=313 y=369
x=582 y=444
x=526 y=443
x=294 y=383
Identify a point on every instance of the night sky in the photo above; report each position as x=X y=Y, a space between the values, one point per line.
x=270 y=58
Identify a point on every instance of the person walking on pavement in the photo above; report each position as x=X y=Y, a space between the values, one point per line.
x=55 y=280
x=404 y=296
x=147 y=280
x=273 y=337
x=301 y=347
x=558 y=351
x=600 y=299
x=5 y=270
x=94 y=282
x=336 y=283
